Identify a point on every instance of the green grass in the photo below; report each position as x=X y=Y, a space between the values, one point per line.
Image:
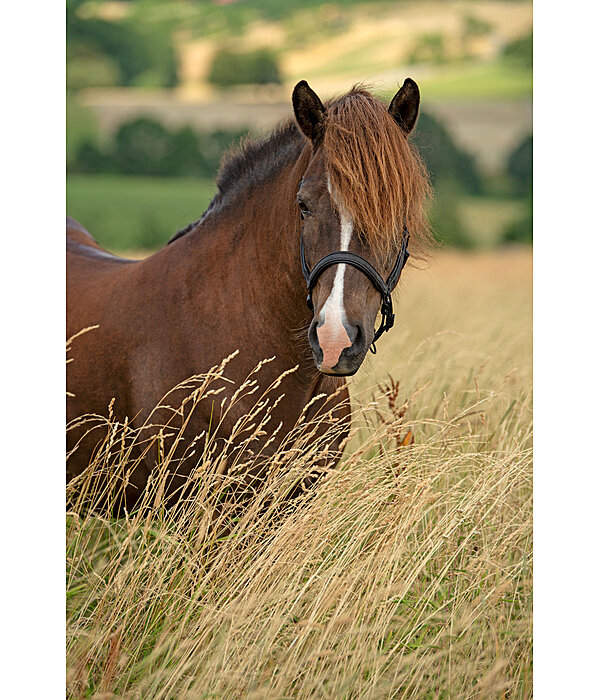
x=127 y=213
x=357 y=61
x=123 y=212
x=496 y=80
x=81 y=126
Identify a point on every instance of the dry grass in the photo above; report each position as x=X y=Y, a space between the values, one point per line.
x=407 y=571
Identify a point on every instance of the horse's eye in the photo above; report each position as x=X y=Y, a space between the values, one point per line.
x=304 y=210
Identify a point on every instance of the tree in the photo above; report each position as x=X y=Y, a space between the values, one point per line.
x=519 y=167
x=444 y=159
x=143 y=146
x=126 y=52
x=255 y=68
x=520 y=51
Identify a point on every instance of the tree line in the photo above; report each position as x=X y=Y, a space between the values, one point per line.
x=145 y=146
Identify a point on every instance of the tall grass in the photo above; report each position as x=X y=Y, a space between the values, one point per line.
x=405 y=572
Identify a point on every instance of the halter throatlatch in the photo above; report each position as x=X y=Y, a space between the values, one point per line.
x=383 y=287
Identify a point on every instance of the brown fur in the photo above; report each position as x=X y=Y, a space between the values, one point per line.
x=232 y=283
x=376 y=172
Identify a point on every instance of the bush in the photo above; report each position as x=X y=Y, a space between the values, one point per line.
x=520 y=51
x=229 y=69
x=141 y=51
x=184 y=157
x=429 y=48
x=475 y=27
x=445 y=218
x=92 y=70
x=519 y=167
x=90 y=158
x=146 y=147
x=82 y=126
x=520 y=231
x=444 y=159
x=143 y=146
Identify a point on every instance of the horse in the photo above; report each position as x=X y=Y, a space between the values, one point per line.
x=325 y=205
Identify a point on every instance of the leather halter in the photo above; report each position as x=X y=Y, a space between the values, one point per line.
x=347 y=258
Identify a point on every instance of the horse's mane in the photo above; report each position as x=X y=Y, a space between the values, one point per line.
x=255 y=161
x=375 y=172
x=249 y=164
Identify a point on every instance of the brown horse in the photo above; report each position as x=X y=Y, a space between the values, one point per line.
x=342 y=178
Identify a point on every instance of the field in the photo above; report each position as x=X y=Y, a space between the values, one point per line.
x=487 y=81
x=124 y=212
x=337 y=44
x=406 y=574
x=136 y=212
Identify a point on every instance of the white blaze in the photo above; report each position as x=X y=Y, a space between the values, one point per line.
x=333 y=309
x=331 y=332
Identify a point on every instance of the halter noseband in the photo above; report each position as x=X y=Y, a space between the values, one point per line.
x=347 y=258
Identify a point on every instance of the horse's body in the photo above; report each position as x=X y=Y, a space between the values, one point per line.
x=233 y=282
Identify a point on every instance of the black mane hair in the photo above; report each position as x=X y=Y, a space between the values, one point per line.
x=249 y=165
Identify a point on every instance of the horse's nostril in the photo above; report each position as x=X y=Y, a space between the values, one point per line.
x=355 y=334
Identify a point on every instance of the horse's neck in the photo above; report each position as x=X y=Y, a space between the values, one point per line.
x=246 y=255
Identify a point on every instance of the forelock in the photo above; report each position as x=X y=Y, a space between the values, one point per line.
x=375 y=172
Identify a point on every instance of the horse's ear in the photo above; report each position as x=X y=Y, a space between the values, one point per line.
x=404 y=107
x=309 y=111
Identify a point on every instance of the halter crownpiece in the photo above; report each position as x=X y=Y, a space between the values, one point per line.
x=345 y=257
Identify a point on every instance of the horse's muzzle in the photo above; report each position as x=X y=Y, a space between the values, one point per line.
x=337 y=351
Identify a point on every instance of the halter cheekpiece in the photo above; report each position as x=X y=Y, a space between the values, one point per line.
x=347 y=258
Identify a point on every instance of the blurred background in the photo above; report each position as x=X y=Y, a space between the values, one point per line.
x=156 y=91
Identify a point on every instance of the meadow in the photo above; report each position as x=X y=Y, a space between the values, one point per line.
x=129 y=212
x=405 y=573
x=125 y=213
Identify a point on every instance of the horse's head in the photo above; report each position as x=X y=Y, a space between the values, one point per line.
x=364 y=185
